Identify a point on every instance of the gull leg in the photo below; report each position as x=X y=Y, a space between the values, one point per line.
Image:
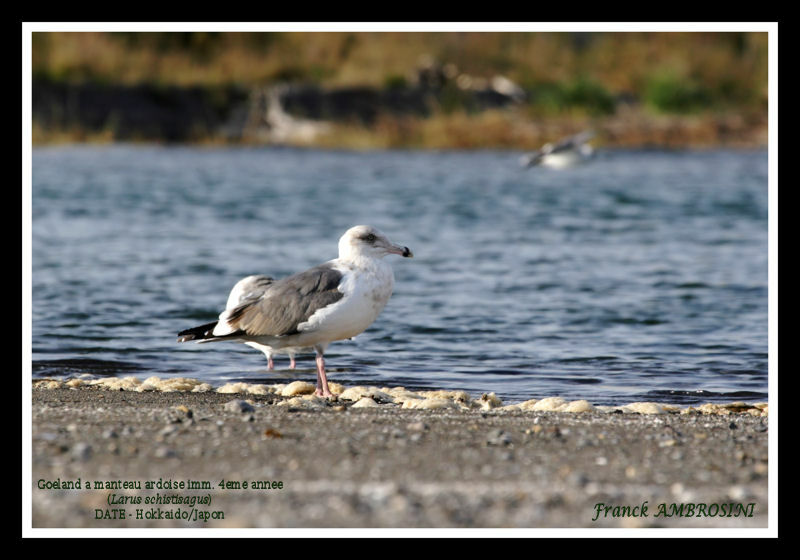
x=322 y=380
x=270 y=363
x=292 y=362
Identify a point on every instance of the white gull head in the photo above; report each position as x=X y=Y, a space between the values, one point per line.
x=367 y=242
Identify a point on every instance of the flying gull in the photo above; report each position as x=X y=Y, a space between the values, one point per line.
x=336 y=300
x=252 y=287
x=565 y=153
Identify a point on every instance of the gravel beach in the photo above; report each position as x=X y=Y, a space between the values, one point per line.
x=150 y=459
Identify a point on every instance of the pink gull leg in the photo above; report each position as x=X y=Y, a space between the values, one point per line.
x=322 y=380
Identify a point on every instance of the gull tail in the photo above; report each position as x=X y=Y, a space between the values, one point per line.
x=200 y=334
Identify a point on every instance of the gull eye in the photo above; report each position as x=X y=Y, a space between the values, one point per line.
x=370 y=238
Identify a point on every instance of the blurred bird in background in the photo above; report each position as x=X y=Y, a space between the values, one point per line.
x=565 y=153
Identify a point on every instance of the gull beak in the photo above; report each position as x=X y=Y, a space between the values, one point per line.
x=401 y=250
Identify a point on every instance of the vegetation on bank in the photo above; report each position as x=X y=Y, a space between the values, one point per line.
x=703 y=82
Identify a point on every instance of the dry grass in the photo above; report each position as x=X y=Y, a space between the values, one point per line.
x=510 y=130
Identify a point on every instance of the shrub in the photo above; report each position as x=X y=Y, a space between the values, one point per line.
x=667 y=93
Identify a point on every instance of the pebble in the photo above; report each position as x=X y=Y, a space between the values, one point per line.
x=165 y=452
x=167 y=431
x=738 y=493
x=498 y=437
x=82 y=451
x=238 y=405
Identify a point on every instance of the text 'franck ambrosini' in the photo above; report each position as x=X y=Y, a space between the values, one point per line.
x=729 y=509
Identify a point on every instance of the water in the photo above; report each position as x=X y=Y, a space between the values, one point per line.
x=639 y=276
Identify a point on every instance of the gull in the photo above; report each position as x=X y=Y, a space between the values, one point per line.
x=336 y=300
x=565 y=153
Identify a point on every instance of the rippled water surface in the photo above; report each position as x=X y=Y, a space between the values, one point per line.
x=641 y=275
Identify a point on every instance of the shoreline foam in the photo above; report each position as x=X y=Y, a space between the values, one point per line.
x=300 y=394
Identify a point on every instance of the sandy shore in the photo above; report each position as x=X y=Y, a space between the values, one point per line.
x=385 y=466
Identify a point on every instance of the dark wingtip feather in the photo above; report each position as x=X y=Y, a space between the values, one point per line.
x=197 y=333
